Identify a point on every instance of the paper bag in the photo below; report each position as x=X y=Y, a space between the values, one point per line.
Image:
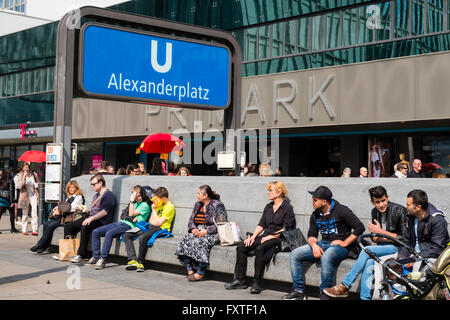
x=68 y=248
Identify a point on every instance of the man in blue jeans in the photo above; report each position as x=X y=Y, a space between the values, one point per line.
x=339 y=228
x=387 y=218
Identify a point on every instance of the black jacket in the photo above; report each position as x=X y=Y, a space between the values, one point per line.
x=432 y=233
x=283 y=218
x=7 y=189
x=340 y=223
x=396 y=216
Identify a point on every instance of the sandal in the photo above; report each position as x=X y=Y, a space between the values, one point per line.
x=193 y=278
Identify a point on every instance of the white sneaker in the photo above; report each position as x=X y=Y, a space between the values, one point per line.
x=56 y=257
x=100 y=264
x=77 y=259
x=92 y=261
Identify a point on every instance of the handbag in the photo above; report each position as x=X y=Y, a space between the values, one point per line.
x=291 y=239
x=80 y=214
x=228 y=232
x=68 y=248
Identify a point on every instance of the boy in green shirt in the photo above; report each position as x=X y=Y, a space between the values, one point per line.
x=138 y=210
x=163 y=212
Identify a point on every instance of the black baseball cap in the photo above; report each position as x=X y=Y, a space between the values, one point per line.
x=322 y=192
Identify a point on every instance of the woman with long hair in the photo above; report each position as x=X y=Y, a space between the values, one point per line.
x=28 y=183
x=194 y=249
x=158 y=167
x=7 y=197
x=75 y=198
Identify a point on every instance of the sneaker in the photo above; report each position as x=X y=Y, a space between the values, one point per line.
x=338 y=291
x=131 y=265
x=140 y=267
x=294 y=295
x=34 y=248
x=235 y=284
x=34 y=234
x=100 y=265
x=56 y=257
x=92 y=261
x=25 y=233
x=77 y=259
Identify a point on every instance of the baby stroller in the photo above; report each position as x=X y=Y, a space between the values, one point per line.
x=432 y=283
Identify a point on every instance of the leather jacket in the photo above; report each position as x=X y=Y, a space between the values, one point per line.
x=432 y=233
x=396 y=217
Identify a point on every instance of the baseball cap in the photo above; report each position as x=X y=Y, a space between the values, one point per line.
x=322 y=192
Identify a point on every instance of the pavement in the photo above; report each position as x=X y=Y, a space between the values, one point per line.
x=25 y=275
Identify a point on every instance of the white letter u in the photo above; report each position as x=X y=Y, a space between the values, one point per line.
x=154 y=54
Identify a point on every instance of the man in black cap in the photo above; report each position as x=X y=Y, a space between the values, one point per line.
x=339 y=228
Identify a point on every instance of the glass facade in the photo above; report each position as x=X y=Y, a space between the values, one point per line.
x=275 y=36
x=14 y=5
x=34 y=108
x=27 y=82
x=419 y=23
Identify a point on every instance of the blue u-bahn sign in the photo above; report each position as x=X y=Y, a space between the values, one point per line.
x=122 y=64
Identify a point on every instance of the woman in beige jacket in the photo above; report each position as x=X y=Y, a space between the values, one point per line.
x=28 y=197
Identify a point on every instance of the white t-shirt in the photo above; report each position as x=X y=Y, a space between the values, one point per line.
x=30 y=185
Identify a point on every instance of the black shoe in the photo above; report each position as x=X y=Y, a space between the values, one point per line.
x=14 y=231
x=323 y=296
x=256 y=288
x=294 y=295
x=40 y=250
x=34 y=248
x=236 y=284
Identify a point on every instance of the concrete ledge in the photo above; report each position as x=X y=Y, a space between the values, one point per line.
x=222 y=259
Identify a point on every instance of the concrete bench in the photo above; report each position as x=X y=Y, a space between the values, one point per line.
x=245 y=199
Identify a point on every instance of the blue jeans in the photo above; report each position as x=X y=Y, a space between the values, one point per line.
x=109 y=231
x=47 y=233
x=364 y=265
x=331 y=256
x=193 y=265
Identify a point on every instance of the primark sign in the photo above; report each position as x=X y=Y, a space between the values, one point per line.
x=117 y=63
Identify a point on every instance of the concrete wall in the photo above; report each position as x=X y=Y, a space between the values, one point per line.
x=245 y=197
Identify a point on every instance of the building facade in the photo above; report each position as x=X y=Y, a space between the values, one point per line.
x=343 y=83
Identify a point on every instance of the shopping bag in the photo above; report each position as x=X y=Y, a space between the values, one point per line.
x=228 y=233
x=68 y=248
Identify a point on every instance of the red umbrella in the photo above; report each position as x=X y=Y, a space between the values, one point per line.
x=430 y=166
x=33 y=156
x=161 y=143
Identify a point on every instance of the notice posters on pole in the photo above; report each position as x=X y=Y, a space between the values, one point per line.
x=53 y=172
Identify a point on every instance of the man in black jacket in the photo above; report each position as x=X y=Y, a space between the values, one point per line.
x=387 y=218
x=339 y=228
x=426 y=228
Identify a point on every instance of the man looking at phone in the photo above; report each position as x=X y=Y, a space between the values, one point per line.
x=161 y=217
x=388 y=218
